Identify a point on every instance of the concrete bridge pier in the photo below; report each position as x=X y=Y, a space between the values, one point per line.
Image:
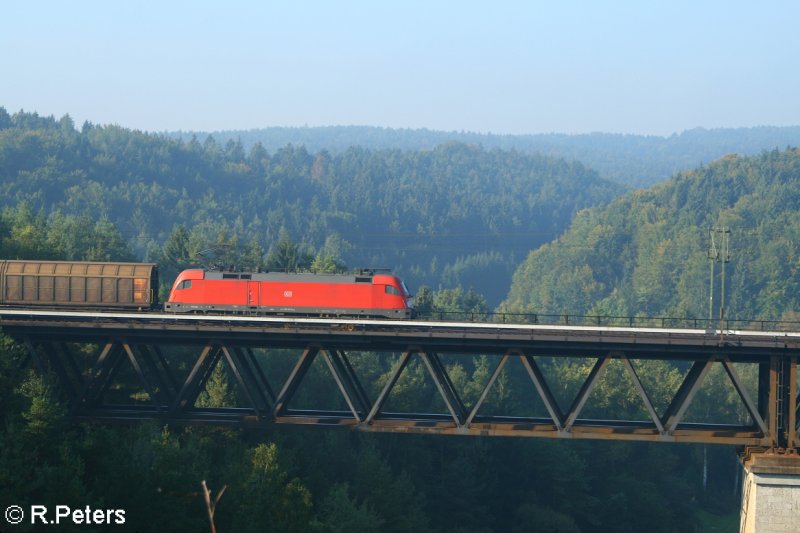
x=770 y=493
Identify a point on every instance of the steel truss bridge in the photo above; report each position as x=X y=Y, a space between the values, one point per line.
x=89 y=354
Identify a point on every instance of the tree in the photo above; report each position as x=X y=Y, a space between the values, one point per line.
x=108 y=244
x=286 y=255
x=339 y=513
x=269 y=496
x=326 y=264
x=258 y=157
x=217 y=392
x=423 y=302
x=175 y=252
x=5 y=119
x=450 y=302
x=395 y=498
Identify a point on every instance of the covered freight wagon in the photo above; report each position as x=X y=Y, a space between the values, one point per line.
x=78 y=284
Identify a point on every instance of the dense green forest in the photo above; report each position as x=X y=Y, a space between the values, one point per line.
x=336 y=481
x=647 y=252
x=107 y=193
x=455 y=215
x=632 y=160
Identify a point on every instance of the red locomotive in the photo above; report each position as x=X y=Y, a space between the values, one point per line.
x=364 y=294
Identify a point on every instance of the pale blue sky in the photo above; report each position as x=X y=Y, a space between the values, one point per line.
x=647 y=67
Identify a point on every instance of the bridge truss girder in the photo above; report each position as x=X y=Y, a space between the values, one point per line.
x=171 y=396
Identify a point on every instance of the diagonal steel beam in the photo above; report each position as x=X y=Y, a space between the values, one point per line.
x=155 y=396
x=103 y=373
x=346 y=369
x=191 y=387
x=261 y=382
x=251 y=372
x=642 y=393
x=293 y=381
x=390 y=383
x=539 y=381
x=173 y=383
x=163 y=378
x=343 y=382
x=585 y=390
x=686 y=393
x=751 y=407
x=445 y=386
x=162 y=388
x=485 y=392
x=240 y=380
x=57 y=363
x=61 y=349
x=205 y=375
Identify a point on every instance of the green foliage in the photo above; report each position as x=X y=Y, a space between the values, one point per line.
x=341 y=514
x=399 y=501
x=44 y=416
x=469 y=210
x=450 y=303
x=634 y=160
x=646 y=253
x=24 y=235
x=40 y=459
x=270 y=496
x=326 y=264
x=452 y=216
x=175 y=253
x=546 y=520
x=217 y=392
x=286 y=255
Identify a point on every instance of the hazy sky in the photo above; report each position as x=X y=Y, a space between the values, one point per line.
x=641 y=66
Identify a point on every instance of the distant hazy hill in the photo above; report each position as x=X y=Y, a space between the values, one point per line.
x=646 y=252
x=633 y=160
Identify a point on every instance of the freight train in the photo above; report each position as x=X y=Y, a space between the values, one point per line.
x=134 y=286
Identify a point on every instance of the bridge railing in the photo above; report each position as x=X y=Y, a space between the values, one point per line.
x=615 y=321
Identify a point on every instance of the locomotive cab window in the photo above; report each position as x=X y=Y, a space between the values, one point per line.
x=392 y=290
x=185 y=284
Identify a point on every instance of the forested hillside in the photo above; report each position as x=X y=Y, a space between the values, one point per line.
x=647 y=252
x=292 y=480
x=454 y=215
x=632 y=160
x=111 y=193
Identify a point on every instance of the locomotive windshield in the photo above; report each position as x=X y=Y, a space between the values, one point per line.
x=393 y=290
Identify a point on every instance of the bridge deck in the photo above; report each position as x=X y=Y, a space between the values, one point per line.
x=230 y=340
x=470 y=337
